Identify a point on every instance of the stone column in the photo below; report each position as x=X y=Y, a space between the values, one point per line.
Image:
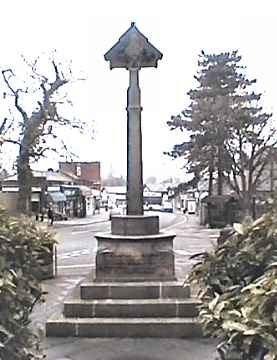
x=134 y=147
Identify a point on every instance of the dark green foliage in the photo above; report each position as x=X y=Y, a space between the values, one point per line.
x=230 y=137
x=21 y=243
x=238 y=283
x=222 y=210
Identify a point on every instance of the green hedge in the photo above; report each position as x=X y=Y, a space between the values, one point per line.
x=21 y=245
x=238 y=286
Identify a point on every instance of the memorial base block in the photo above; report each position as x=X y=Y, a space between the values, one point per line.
x=135 y=225
x=135 y=258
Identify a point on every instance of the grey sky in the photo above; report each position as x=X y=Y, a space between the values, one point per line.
x=82 y=31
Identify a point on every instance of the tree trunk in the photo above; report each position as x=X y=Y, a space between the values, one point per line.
x=43 y=196
x=247 y=205
x=210 y=190
x=211 y=172
x=219 y=172
x=219 y=182
x=24 y=179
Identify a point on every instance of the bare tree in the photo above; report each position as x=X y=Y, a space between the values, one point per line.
x=38 y=127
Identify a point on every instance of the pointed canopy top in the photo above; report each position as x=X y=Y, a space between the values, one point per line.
x=133 y=50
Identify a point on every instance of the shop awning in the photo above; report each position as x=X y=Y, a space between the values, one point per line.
x=57 y=196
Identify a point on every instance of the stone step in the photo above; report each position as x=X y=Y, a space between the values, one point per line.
x=131 y=308
x=134 y=290
x=122 y=327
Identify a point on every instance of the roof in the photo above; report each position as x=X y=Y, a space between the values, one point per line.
x=116 y=189
x=70 y=174
x=133 y=50
x=49 y=175
x=216 y=199
x=156 y=187
x=58 y=176
x=79 y=162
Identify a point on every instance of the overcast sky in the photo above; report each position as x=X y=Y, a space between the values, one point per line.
x=82 y=31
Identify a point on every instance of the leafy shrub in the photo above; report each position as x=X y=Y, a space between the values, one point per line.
x=238 y=286
x=21 y=246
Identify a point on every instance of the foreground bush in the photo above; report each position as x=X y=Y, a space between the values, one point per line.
x=238 y=286
x=21 y=246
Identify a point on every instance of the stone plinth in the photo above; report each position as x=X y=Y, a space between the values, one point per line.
x=129 y=309
x=135 y=258
x=135 y=225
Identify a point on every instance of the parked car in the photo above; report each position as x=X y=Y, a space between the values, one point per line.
x=167 y=207
x=155 y=207
x=59 y=216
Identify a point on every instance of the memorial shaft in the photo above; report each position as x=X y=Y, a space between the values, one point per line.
x=134 y=147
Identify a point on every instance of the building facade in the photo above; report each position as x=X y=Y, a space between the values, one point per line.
x=52 y=189
x=87 y=173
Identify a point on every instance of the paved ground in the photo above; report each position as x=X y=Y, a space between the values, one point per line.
x=96 y=218
x=195 y=239
x=130 y=349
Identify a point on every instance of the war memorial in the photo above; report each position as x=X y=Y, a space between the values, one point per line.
x=134 y=291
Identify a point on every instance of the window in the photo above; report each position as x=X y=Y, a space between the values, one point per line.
x=78 y=170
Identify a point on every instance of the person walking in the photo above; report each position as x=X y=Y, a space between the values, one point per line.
x=185 y=211
x=50 y=215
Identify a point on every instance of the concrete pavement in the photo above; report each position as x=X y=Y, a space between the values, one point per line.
x=192 y=238
x=130 y=349
x=100 y=217
x=90 y=219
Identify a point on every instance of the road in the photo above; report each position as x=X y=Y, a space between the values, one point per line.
x=77 y=246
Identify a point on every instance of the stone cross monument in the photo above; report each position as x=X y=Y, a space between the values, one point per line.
x=135 y=249
x=133 y=52
x=134 y=291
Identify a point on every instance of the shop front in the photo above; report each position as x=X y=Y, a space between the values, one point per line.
x=75 y=204
x=57 y=201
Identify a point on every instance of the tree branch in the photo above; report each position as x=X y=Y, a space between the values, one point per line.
x=15 y=93
x=12 y=141
x=40 y=153
x=3 y=126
